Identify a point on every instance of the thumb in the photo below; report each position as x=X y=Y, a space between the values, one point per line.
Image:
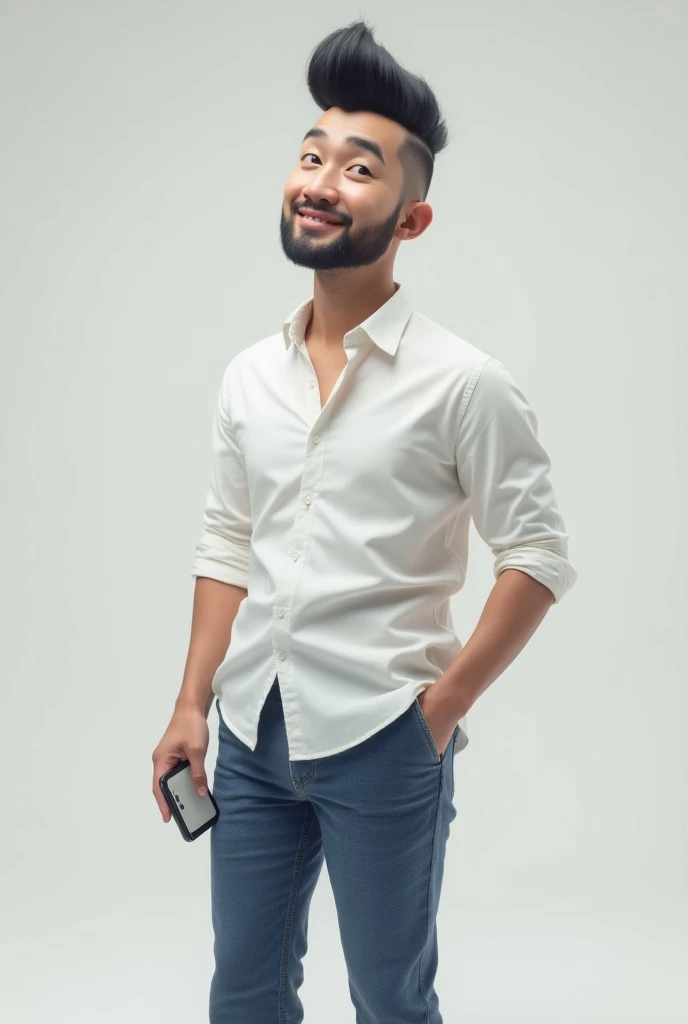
x=196 y=760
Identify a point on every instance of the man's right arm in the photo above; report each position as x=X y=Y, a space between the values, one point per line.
x=214 y=609
x=221 y=569
x=186 y=737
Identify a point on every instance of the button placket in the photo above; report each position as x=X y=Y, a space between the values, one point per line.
x=298 y=541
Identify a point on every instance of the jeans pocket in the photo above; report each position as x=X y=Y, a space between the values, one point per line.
x=427 y=734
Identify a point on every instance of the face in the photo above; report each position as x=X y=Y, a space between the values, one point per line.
x=360 y=185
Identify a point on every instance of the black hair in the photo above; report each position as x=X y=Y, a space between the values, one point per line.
x=350 y=70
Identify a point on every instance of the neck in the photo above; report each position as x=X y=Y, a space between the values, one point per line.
x=342 y=301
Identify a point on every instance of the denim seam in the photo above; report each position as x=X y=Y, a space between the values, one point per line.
x=427 y=902
x=286 y=939
x=437 y=757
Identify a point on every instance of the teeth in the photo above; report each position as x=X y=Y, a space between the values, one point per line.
x=318 y=220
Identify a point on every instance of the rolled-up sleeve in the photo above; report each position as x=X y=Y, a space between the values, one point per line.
x=223 y=551
x=503 y=470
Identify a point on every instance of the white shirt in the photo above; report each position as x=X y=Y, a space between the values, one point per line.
x=349 y=524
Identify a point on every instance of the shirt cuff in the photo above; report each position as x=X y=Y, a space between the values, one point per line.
x=551 y=568
x=222 y=559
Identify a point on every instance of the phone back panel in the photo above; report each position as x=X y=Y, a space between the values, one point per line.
x=195 y=810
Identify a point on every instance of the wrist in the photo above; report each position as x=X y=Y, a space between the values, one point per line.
x=193 y=705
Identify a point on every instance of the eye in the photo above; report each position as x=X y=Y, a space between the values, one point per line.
x=353 y=165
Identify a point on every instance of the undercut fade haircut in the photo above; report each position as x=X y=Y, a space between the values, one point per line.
x=350 y=70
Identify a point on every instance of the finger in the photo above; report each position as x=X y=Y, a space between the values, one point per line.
x=160 y=800
x=196 y=758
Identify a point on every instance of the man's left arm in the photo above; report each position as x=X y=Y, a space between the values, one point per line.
x=504 y=472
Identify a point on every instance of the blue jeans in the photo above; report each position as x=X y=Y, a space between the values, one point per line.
x=379 y=814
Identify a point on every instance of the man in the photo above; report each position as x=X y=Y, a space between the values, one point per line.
x=350 y=452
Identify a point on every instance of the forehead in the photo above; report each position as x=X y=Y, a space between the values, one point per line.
x=339 y=123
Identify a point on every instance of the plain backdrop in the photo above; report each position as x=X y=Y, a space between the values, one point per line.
x=145 y=146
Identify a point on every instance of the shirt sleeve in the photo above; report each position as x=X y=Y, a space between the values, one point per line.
x=503 y=470
x=223 y=551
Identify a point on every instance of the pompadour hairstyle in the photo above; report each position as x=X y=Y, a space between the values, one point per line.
x=350 y=70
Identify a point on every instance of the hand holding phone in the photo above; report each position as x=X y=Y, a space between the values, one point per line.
x=182 y=749
x=193 y=813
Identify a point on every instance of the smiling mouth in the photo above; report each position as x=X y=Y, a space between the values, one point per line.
x=317 y=223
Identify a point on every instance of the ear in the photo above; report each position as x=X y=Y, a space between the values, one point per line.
x=416 y=221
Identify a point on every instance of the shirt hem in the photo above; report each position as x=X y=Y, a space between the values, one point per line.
x=461 y=739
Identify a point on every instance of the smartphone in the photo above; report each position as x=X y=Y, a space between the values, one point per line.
x=193 y=813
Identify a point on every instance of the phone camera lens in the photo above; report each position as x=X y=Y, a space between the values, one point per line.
x=182 y=806
x=176 y=798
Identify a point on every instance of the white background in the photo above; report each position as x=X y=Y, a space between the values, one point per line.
x=145 y=149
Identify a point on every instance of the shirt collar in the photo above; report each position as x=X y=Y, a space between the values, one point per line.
x=384 y=327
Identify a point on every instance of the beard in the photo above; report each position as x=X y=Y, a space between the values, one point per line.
x=346 y=247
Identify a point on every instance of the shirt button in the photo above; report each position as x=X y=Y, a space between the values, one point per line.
x=281 y=613
x=307 y=499
x=281 y=655
x=316 y=440
x=312 y=384
x=295 y=556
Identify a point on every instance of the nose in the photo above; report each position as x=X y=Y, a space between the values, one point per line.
x=320 y=193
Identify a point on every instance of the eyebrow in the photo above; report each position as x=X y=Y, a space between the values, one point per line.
x=354 y=141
